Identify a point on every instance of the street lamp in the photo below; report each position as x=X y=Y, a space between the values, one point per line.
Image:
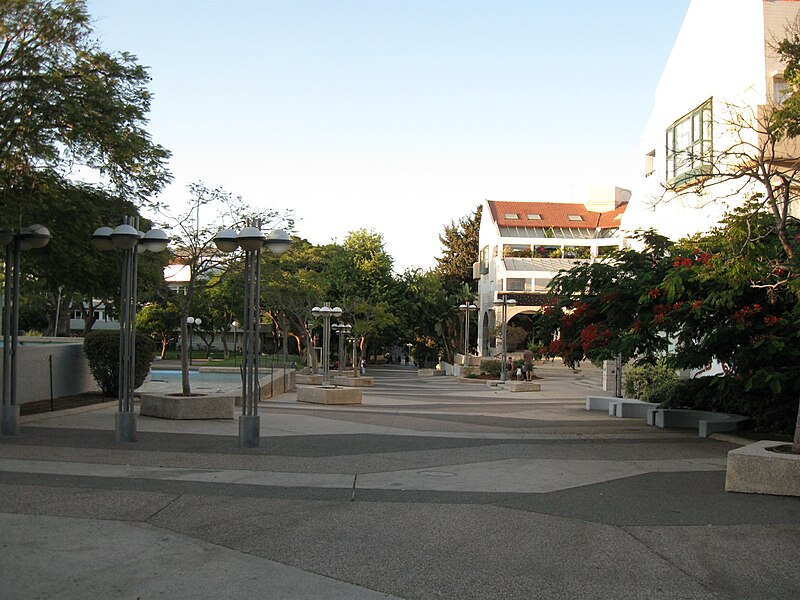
x=132 y=242
x=505 y=302
x=466 y=308
x=196 y=322
x=326 y=312
x=251 y=240
x=34 y=236
x=234 y=326
x=342 y=330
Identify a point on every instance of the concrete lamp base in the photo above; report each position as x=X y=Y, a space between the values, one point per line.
x=125 y=426
x=249 y=431
x=10 y=419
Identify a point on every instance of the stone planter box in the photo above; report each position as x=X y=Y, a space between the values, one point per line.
x=429 y=372
x=754 y=469
x=522 y=386
x=207 y=406
x=349 y=381
x=329 y=395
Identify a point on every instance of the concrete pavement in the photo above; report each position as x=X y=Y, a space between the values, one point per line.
x=433 y=488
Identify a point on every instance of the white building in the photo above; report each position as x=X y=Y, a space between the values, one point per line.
x=722 y=69
x=523 y=245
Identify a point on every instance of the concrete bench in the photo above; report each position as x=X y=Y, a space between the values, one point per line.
x=707 y=422
x=309 y=379
x=600 y=402
x=630 y=409
x=349 y=381
x=522 y=386
x=324 y=394
x=429 y=372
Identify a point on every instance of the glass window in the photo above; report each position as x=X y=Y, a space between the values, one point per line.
x=689 y=145
x=511 y=216
x=575 y=217
x=534 y=217
x=517 y=285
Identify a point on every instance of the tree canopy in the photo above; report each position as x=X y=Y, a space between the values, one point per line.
x=66 y=102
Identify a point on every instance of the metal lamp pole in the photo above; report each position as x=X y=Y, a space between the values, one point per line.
x=132 y=242
x=466 y=308
x=251 y=240
x=34 y=236
x=326 y=312
x=505 y=302
x=342 y=330
x=193 y=322
x=234 y=326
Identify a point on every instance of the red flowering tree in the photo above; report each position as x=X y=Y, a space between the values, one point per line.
x=729 y=296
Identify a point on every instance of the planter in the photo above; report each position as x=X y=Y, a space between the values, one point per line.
x=756 y=469
x=176 y=406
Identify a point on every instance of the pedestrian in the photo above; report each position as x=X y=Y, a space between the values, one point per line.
x=363 y=367
x=510 y=366
x=527 y=365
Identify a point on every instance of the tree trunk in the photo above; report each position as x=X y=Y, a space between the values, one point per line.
x=796 y=440
x=164 y=344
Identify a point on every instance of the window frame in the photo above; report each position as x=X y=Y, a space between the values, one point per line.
x=688 y=159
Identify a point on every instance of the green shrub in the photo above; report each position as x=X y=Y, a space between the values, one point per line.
x=102 y=352
x=769 y=411
x=491 y=366
x=639 y=380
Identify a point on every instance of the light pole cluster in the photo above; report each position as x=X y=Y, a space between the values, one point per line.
x=34 y=236
x=342 y=330
x=326 y=312
x=505 y=302
x=193 y=322
x=132 y=242
x=251 y=240
x=466 y=309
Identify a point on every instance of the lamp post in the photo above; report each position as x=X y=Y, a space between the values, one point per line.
x=251 y=240
x=356 y=368
x=342 y=330
x=132 y=242
x=34 y=236
x=193 y=322
x=505 y=302
x=234 y=326
x=466 y=308
x=326 y=312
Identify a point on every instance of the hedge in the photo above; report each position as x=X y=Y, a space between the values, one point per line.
x=102 y=352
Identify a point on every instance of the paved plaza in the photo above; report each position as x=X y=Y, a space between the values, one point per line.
x=434 y=488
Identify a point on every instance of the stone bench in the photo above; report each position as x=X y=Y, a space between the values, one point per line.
x=308 y=379
x=176 y=406
x=628 y=408
x=707 y=422
x=522 y=386
x=349 y=381
x=429 y=372
x=325 y=394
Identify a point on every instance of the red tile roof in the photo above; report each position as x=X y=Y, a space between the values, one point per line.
x=554 y=214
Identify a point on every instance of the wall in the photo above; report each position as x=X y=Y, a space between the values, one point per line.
x=71 y=373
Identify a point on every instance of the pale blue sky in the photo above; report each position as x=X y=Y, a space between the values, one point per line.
x=397 y=116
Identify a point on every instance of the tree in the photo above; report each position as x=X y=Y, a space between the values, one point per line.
x=193 y=246
x=460 y=249
x=161 y=322
x=64 y=102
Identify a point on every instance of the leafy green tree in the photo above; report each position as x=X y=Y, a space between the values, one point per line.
x=460 y=249
x=65 y=101
x=161 y=322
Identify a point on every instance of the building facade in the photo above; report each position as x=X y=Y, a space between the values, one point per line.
x=523 y=245
x=711 y=104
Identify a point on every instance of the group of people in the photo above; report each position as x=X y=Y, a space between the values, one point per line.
x=525 y=371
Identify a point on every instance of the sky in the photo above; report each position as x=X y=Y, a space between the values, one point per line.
x=396 y=116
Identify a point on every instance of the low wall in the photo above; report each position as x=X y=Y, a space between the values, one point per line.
x=70 y=369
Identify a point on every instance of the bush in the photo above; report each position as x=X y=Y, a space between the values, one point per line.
x=102 y=352
x=491 y=366
x=770 y=412
x=639 y=380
